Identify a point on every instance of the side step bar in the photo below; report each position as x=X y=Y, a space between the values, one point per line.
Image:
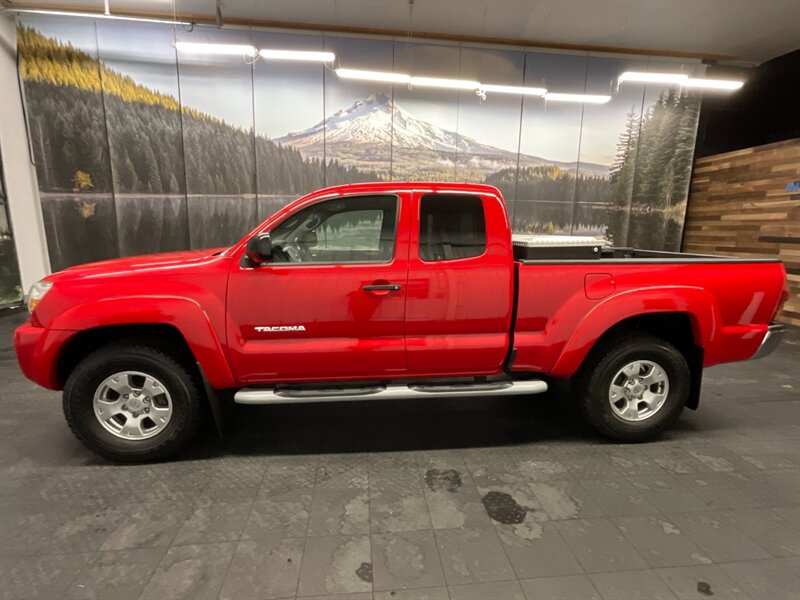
x=290 y=395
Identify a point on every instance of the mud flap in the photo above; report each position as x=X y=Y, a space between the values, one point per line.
x=217 y=409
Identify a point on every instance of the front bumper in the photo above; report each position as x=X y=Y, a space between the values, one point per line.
x=771 y=340
x=37 y=351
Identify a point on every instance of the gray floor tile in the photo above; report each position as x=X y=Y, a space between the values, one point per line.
x=599 y=546
x=190 y=572
x=632 y=585
x=147 y=525
x=534 y=470
x=765 y=579
x=499 y=590
x=36 y=577
x=617 y=497
x=717 y=537
x=632 y=464
x=281 y=516
x=472 y=556
x=118 y=574
x=397 y=506
x=336 y=564
x=339 y=510
x=569 y=587
x=453 y=500
x=720 y=490
x=264 y=569
x=701 y=582
x=342 y=475
x=660 y=542
x=438 y=593
x=668 y=493
x=511 y=503
x=406 y=560
x=537 y=550
x=218 y=522
x=565 y=499
x=768 y=529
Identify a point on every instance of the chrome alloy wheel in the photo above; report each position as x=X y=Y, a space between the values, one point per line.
x=638 y=390
x=132 y=405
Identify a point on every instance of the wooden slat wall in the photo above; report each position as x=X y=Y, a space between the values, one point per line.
x=740 y=204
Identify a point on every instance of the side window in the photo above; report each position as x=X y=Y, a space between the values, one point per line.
x=344 y=230
x=451 y=227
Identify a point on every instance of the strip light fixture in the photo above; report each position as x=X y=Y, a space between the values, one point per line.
x=211 y=48
x=382 y=76
x=682 y=80
x=647 y=77
x=301 y=55
x=450 y=84
x=513 y=89
x=92 y=15
x=582 y=98
x=714 y=84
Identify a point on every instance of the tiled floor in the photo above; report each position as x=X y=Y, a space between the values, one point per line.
x=473 y=499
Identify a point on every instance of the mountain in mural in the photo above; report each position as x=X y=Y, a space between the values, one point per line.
x=353 y=135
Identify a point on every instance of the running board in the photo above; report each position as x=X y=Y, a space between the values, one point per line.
x=290 y=395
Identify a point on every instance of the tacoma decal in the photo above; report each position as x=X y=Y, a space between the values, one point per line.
x=271 y=328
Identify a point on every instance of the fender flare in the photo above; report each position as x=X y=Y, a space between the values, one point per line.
x=700 y=306
x=184 y=314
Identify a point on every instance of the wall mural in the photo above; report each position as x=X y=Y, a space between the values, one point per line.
x=141 y=148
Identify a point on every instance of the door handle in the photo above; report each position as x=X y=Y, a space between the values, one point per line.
x=382 y=287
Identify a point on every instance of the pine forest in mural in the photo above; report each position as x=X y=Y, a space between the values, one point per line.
x=139 y=150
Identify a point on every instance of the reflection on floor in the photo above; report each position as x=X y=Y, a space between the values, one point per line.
x=480 y=498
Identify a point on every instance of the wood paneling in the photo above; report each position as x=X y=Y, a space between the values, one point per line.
x=747 y=203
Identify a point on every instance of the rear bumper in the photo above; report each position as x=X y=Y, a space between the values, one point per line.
x=771 y=340
x=37 y=351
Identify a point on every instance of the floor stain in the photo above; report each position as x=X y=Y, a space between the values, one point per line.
x=364 y=572
x=443 y=480
x=704 y=588
x=503 y=508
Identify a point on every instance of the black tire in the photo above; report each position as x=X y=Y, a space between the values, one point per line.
x=180 y=380
x=605 y=362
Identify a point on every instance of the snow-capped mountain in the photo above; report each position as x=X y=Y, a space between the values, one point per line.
x=354 y=134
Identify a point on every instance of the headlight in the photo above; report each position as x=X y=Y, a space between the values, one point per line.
x=38 y=291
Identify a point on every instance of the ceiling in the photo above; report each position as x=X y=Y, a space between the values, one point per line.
x=743 y=31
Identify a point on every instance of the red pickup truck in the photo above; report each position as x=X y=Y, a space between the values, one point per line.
x=388 y=290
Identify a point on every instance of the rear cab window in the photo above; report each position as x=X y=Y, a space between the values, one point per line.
x=451 y=227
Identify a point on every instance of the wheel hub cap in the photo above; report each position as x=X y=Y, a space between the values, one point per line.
x=132 y=405
x=638 y=390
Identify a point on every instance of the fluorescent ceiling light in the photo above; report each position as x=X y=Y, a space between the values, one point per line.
x=92 y=15
x=373 y=75
x=211 y=48
x=513 y=89
x=452 y=84
x=653 y=77
x=297 y=55
x=583 y=98
x=713 y=84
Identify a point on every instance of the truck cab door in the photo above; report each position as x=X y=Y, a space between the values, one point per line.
x=331 y=302
x=461 y=284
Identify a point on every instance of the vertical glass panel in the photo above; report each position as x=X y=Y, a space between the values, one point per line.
x=289 y=120
x=10 y=286
x=143 y=121
x=218 y=138
x=61 y=76
x=358 y=114
x=607 y=150
x=425 y=119
x=665 y=151
x=549 y=143
x=488 y=127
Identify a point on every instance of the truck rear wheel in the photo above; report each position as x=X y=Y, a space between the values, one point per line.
x=131 y=402
x=634 y=387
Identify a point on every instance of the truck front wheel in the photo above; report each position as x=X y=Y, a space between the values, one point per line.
x=634 y=387
x=132 y=402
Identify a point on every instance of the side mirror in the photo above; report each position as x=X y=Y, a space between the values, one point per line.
x=259 y=249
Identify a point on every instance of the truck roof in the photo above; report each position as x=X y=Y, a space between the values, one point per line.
x=434 y=186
